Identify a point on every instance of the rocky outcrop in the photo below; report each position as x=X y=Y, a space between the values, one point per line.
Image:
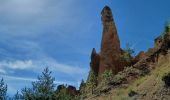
x=110 y=54
x=71 y=90
x=158 y=42
x=139 y=57
x=109 y=57
x=95 y=61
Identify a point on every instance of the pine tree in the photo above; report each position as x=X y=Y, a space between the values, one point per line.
x=128 y=53
x=61 y=94
x=3 y=90
x=91 y=81
x=42 y=89
x=82 y=87
x=167 y=28
x=17 y=96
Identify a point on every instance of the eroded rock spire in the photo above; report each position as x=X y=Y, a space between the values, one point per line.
x=110 y=44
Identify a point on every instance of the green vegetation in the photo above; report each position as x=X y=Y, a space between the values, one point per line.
x=91 y=82
x=17 y=96
x=117 y=79
x=128 y=53
x=61 y=94
x=3 y=90
x=43 y=88
x=166 y=79
x=167 y=28
x=107 y=76
x=82 y=87
x=132 y=93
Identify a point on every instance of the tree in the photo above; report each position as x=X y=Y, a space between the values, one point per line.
x=107 y=76
x=167 y=30
x=27 y=94
x=62 y=94
x=91 y=81
x=128 y=53
x=3 y=90
x=17 y=96
x=82 y=87
x=42 y=89
x=167 y=27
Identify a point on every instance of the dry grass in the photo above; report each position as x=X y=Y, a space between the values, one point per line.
x=146 y=86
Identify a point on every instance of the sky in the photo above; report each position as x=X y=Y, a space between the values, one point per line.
x=60 y=34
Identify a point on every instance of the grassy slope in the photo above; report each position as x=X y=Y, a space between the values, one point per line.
x=149 y=87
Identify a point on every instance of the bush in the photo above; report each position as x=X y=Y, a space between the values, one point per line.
x=62 y=94
x=167 y=27
x=132 y=93
x=128 y=53
x=107 y=76
x=91 y=82
x=131 y=70
x=166 y=79
x=119 y=78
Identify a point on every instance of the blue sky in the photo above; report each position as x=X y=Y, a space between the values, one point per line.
x=60 y=34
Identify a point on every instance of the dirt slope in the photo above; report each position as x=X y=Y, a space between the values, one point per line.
x=149 y=87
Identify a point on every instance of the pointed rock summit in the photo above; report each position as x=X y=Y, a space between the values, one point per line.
x=110 y=46
x=109 y=57
x=95 y=60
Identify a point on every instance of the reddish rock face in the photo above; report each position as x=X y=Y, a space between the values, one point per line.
x=110 y=54
x=158 y=42
x=141 y=55
x=71 y=90
x=95 y=60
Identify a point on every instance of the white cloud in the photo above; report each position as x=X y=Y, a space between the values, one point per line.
x=64 y=68
x=23 y=22
x=2 y=71
x=18 y=64
x=6 y=77
x=34 y=65
x=22 y=7
x=14 y=78
x=33 y=17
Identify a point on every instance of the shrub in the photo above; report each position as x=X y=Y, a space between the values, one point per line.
x=107 y=76
x=91 y=82
x=119 y=78
x=131 y=70
x=167 y=27
x=62 y=94
x=132 y=93
x=128 y=53
x=166 y=79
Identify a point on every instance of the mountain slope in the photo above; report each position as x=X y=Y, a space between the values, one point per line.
x=148 y=87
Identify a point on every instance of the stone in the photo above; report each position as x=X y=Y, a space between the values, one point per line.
x=158 y=42
x=71 y=90
x=60 y=87
x=95 y=60
x=110 y=54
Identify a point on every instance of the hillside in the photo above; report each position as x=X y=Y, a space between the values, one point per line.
x=149 y=87
x=117 y=75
